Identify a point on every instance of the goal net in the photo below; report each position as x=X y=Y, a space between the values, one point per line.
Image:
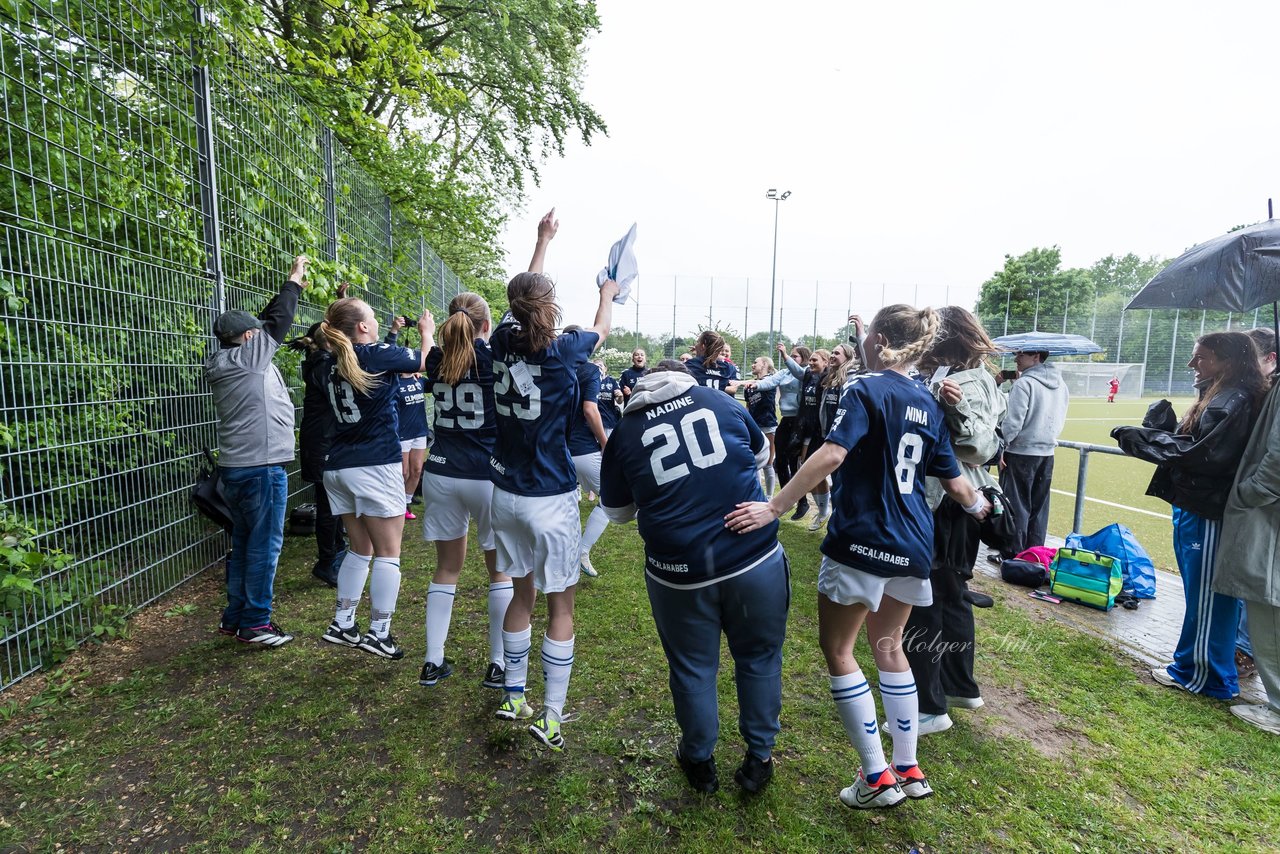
x=1093 y=379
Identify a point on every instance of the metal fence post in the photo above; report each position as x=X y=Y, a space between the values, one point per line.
x=208 y=175
x=330 y=197
x=675 y=280
x=1082 y=480
x=815 y=315
x=1173 y=350
x=1146 y=348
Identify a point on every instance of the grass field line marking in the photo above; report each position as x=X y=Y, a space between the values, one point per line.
x=1113 y=504
x=1098 y=419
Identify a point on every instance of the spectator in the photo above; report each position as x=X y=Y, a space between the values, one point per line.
x=255 y=442
x=639 y=358
x=1249 y=556
x=1036 y=414
x=703 y=579
x=1196 y=461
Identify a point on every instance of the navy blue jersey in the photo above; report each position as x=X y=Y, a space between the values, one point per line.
x=718 y=375
x=368 y=429
x=608 y=412
x=685 y=462
x=463 y=416
x=630 y=377
x=763 y=406
x=810 y=396
x=828 y=406
x=411 y=399
x=895 y=435
x=581 y=439
x=531 y=455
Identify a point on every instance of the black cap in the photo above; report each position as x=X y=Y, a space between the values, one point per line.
x=230 y=325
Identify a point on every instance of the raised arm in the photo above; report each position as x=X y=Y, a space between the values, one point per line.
x=278 y=315
x=604 y=313
x=426 y=331
x=547 y=228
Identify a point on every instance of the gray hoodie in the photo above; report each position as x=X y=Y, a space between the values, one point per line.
x=1037 y=412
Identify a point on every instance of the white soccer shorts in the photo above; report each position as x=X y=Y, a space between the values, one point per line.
x=450 y=503
x=376 y=491
x=418 y=444
x=588 y=468
x=538 y=535
x=845 y=585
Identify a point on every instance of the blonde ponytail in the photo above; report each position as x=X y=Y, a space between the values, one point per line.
x=467 y=314
x=910 y=332
x=338 y=327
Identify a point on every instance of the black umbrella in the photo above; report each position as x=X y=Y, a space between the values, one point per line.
x=1239 y=271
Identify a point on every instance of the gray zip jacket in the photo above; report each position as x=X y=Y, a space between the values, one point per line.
x=788 y=386
x=255 y=413
x=1037 y=412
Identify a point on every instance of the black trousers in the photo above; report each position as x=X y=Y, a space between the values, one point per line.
x=939 y=640
x=330 y=539
x=1025 y=482
x=785 y=461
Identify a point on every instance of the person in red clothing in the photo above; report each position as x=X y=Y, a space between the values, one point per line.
x=1114 y=389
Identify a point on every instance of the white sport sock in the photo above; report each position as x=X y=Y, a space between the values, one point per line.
x=500 y=594
x=515 y=659
x=823 y=500
x=351 y=577
x=408 y=498
x=596 y=523
x=769 y=479
x=902 y=709
x=439 y=612
x=857 y=712
x=384 y=588
x=557 y=664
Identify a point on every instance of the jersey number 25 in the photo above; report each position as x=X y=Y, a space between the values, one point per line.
x=502 y=387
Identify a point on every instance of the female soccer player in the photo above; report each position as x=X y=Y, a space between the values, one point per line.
x=411 y=409
x=363 y=474
x=939 y=638
x=535 y=505
x=587 y=437
x=609 y=399
x=887 y=436
x=639 y=359
x=456 y=486
x=762 y=404
x=808 y=426
x=830 y=385
x=707 y=366
x=787 y=439
x=1196 y=462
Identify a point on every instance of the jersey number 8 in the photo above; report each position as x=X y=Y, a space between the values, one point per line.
x=671 y=444
x=909 y=448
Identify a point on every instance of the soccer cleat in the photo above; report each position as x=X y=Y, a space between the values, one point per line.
x=753 y=774
x=882 y=793
x=701 y=775
x=340 y=636
x=385 y=647
x=493 y=676
x=514 y=708
x=268 y=635
x=433 y=673
x=408 y=514
x=546 y=729
x=914 y=783
x=965 y=702
x=818 y=521
x=802 y=507
x=584 y=562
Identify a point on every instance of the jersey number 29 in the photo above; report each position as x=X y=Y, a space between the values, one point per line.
x=671 y=444
x=466 y=402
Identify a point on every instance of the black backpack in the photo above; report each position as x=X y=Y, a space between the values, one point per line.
x=207 y=495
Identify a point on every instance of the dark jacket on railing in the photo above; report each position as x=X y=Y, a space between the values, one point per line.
x=1193 y=471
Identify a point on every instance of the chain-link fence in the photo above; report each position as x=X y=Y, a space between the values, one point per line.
x=670 y=311
x=140 y=195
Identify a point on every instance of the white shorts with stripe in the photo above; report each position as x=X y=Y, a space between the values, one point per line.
x=538 y=536
x=588 y=468
x=450 y=503
x=376 y=491
x=845 y=585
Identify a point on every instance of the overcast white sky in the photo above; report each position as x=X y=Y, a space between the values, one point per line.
x=921 y=142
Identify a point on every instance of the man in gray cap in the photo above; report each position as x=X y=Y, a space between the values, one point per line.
x=255 y=442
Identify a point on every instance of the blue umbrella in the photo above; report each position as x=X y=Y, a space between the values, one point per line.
x=1053 y=343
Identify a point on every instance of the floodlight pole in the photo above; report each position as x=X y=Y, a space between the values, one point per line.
x=777 y=199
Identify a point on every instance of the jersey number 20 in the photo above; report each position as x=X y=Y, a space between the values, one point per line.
x=671 y=444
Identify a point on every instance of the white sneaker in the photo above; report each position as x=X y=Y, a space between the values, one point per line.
x=929 y=724
x=584 y=562
x=965 y=702
x=818 y=521
x=1263 y=717
x=914 y=783
x=864 y=796
x=1161 y=675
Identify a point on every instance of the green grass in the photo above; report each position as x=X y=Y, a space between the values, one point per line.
x=176 y=738
x=1119 y=480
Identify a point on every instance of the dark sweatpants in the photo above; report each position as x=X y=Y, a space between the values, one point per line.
x=1025 y=482
x=939 y=640
x=785 y=462
x=329 y=534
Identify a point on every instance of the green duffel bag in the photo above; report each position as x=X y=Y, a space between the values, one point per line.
x=1086 y=577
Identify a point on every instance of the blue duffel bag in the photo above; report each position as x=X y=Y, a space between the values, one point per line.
x=1138 y=571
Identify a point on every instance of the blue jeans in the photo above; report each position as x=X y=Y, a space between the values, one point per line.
x=751 y=610
x=257 y=497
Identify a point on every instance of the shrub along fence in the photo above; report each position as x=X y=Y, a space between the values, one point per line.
x=142 y=193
